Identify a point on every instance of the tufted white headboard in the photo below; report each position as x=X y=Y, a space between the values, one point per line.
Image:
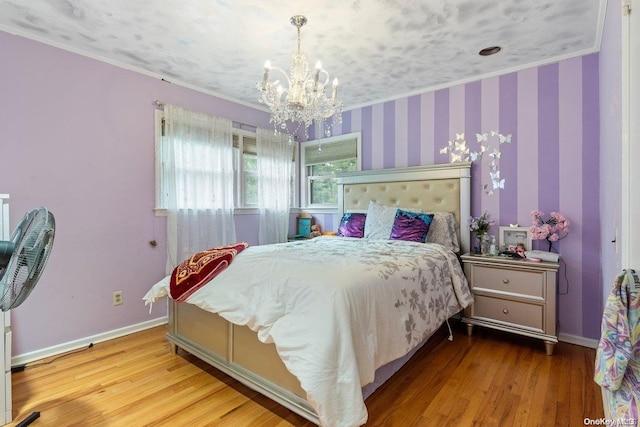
x=436 y=188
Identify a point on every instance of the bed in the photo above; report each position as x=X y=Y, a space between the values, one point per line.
x=335 y=371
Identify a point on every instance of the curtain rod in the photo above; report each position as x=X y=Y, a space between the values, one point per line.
x=235 y=124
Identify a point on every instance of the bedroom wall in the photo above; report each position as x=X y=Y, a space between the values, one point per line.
x=611 y=137
x=77 y=137
x=552 y=113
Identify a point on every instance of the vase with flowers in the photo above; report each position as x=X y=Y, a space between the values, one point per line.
x=480 y=227
x=551 y=228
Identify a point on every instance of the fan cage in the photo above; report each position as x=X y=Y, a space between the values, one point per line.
x=33 y=238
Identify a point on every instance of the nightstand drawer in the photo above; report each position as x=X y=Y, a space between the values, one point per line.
x=517 y=313
x=510 y=281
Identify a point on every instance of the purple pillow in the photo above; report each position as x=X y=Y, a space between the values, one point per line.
x=352 y=225
x=411 y=226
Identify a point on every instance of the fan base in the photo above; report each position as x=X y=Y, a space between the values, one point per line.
x=31 y=418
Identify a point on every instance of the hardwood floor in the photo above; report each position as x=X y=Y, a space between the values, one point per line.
x=489 y=379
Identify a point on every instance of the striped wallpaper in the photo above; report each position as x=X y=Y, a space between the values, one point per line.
x=552 y=113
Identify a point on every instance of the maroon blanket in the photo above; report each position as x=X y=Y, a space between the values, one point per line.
x=195 y=272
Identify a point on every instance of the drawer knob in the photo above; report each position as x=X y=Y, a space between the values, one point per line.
x=505 y=310
x=505 y=281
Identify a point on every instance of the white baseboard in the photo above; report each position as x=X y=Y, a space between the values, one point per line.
x=22 y=359
x=575 y=339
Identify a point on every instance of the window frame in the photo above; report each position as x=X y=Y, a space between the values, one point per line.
x=305 y=179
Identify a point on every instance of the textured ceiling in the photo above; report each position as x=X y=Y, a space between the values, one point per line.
x=379 y=49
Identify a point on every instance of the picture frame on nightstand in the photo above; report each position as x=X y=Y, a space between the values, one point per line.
x=510 y=237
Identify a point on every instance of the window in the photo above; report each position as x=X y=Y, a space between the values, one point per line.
x=245 y=168
x=193 y=160
x=245 y=162
x=321 y=161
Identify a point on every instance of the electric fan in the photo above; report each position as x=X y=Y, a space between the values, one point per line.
x=22 y=260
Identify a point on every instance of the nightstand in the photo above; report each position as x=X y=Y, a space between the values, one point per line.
x=297 y=239
x=512 y=295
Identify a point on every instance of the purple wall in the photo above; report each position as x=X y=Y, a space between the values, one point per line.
x=78 y=137
x=552 y=163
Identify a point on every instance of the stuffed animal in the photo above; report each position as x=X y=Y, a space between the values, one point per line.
x=315 y=230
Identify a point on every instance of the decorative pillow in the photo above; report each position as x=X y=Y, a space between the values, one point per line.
x=411 y=226
x=443 y=230
x=380 y=220
x=352 y=225
x=195 y=272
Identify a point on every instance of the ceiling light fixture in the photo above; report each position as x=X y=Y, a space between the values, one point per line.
x=487 y=51
x=303 y=100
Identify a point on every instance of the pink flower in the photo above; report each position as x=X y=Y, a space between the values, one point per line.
x=552 y=229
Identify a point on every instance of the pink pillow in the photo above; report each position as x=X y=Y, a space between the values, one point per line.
x=411 y=226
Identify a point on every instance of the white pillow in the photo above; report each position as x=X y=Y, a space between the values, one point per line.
x=380 y=220
x=443 y=230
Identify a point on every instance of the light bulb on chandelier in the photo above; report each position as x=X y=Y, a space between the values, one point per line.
x=303 y=101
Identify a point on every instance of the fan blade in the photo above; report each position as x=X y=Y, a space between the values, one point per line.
x=6 y=250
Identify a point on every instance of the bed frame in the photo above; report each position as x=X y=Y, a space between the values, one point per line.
x=236 y=350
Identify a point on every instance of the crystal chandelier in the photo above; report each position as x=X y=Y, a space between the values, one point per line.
x=303 y=100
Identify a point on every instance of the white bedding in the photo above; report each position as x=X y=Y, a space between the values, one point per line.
x=337 y=309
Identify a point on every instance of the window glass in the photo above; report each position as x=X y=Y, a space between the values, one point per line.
x=250 y=181
x=323 y=160
x=246 y=170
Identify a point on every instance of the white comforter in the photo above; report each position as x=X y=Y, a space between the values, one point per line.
x=337 y=309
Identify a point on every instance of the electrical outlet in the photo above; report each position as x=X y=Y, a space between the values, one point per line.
x=117 y=298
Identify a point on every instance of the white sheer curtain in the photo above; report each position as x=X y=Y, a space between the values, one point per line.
x=275 y=172
x=197 y=153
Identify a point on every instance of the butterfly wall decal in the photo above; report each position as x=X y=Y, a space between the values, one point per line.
x=504 y=138
x=457 y=149
x=459 y=152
